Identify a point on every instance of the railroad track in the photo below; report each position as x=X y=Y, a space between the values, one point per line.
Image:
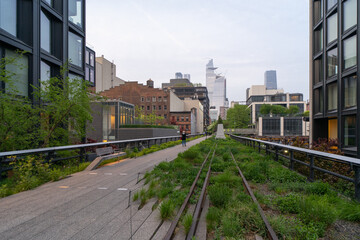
x=171 y=232
x=270 y=232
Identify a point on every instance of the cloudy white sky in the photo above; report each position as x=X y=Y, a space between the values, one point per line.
x=156 y=38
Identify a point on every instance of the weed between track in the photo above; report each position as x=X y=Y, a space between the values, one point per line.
x=296 y=209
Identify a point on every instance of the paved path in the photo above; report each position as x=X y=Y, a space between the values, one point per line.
x=87 y=205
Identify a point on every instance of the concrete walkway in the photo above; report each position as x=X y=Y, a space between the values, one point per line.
x=87 y=205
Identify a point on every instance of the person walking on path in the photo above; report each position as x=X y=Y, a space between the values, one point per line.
x=183 y=138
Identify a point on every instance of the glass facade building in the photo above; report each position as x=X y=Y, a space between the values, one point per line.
x=51 y=32
x=334 y=69
x=270 y=80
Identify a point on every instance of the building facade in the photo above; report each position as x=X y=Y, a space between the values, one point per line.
x=216 y=85
x=148 y=99
x=270 y=81
x=334 y=88
x=51 y=32
x=90 y=71
x=183 y=89
x=106 y=75
x=259 y=95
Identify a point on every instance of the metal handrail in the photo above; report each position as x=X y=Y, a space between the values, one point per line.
x=80 y=146
x=354 y=163
x=7 y=157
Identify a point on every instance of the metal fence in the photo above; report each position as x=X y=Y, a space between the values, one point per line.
x=312 y=158
x=84 y=152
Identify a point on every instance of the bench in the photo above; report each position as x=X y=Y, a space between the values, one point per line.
x=103 y=154
x=104 y=151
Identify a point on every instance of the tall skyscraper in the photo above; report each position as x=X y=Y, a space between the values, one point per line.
x=216 y=85
x=334 y=69
x=178 y=75
x=187 y=76
x=270 y=80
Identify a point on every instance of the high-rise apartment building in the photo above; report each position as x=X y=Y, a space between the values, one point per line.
x=334 y=57
x=52 y=32
x=270 y=80
x=216 y=85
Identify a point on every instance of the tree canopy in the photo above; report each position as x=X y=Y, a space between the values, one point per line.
x=267 y=109
x=238 y=117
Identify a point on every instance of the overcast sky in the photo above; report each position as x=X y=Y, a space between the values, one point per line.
x=156 y=38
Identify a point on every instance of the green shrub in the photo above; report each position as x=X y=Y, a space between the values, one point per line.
x=164 y=166
x=350 y=211
x=242 y=217
x=243 y=197
x=219 y=195
x=187 y=221
x=227 y=178
x=282 y=175
x=289 y=203
x=318 y=212
x=166 y=209
x=190 y=154
x=226 y=157
x=213 y=217
x=319 y=188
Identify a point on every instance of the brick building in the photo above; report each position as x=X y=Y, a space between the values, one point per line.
x=145 y=97
x=181 y=119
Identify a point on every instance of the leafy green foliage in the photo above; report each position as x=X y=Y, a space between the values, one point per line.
x=219 y=195
x=213 y=217
x=238 y=117
x=187 y=221
x=166 y=209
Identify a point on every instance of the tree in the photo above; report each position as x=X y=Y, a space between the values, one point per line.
x=293 y=110
x=61 y=114
x=65 y=109
x=238 y=117
x=220 y=121
x=148 y=119
x=265 y=109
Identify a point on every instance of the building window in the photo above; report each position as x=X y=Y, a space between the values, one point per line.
x=318 y=70
x=87 y=56
x=350 y=52
x=148 y=99
x=350 y=91
x=154 y=99
x=49 y=2
x=332 y=62
x=318 y=11
x=349 y=14
x=187 y=119
x=331 y=3
x=332 y=28
x=293 y=127
x=142 y=99
x=92 y=76
x=159 y=107
x=165 y=107
x=165 y=98
x=165 y=116
x=318 y=40
x=19 y=74
x=142 y=107
x=332 y=96
x=75 y=12
x=87 y=74
x=92 y=58
x=45 y=33
x=350 y=131
x=148 y=108
x=182 y=119
x=159 y=99
x=8 y=16
x=45 y=71
x=154 y=107
x=75 y=49
x=318 y=104
x=177 y=119
x=271 y=126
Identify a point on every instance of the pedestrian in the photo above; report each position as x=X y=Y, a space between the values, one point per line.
x=183 y=138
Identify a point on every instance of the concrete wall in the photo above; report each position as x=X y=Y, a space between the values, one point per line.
x=199 y=121
x=134 y=133
x=106 y=75
x=176 y=104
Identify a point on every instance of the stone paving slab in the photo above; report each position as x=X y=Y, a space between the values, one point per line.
x=87 y=205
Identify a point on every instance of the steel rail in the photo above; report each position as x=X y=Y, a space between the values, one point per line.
x=271 y=232
x=200 y=202
x=175 y=222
